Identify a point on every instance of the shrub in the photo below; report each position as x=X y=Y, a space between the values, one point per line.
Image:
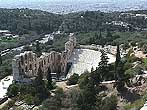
x=73 y=79
x=30 y=100
x=107 y=103
x=8 y=105
x=135 y=105
x=13 y=90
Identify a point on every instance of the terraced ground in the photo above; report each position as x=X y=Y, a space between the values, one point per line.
x=85 y=59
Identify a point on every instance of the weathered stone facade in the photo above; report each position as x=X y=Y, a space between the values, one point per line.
x=25 y=66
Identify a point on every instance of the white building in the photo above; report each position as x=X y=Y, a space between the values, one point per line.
x=4 y=84
x=144 y=107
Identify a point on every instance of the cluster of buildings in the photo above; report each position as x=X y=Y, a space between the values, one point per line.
x=25 y=65
x=7 y=34
x=119 y=23
x=137 y=15
x=4 y=84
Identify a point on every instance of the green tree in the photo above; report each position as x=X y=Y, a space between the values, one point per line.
x=27 y=48
x=88 y=96
x=99 y=39
x=118 y=59
x=92 y=69
x=1 y=59
x=83 y=80
x=40 y=85
x=13 y=90
x=120 y=76
x=109 y=36
x=73 y=79
x=95 y=76
x=38 y=48
x=100 y=35
x=39 y=78
x=102 y=69
x=49 y=79
x=53 y=103
x=106 y=103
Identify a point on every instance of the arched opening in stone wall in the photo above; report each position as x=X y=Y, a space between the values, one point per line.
x=30 y=67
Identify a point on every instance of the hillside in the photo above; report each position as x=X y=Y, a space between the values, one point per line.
x=106 y=86
x=21 y=21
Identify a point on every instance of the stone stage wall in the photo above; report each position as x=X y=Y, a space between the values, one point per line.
x=25 y=65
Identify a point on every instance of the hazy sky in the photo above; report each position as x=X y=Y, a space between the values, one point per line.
x=74 y=5
x=55 y=1
x=10 y=1
x=17 y=1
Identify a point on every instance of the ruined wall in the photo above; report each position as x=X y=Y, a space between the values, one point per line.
x=26 y=64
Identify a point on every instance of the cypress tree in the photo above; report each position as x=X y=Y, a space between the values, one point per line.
x=39 y=78
x=99 y=38
x=1 y=59
x=38 y=48
x=100 y=35
x=109 y=36
x=30 y=27
x=118 y=59
x=49 y=79
x=40 y=85
x=120 y=77
x=119 y=71
x=92 y=69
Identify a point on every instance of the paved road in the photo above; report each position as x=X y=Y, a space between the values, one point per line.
x=7 y=51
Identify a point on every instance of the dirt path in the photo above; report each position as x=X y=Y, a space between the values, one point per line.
x=64 y=86
x=5 y=103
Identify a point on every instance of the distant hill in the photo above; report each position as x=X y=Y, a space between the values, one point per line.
x=67 y=6
x=21 y=21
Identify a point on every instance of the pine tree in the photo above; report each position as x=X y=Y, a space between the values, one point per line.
x=102 y=69
x=95 y=77
x=90 y=95
x=49 y=79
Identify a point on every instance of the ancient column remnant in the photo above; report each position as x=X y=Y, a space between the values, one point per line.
x=25 y=66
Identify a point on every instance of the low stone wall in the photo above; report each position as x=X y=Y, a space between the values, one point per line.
x=109 y=49
x=3 y=100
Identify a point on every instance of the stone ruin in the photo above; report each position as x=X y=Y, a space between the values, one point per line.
x=25 y=65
